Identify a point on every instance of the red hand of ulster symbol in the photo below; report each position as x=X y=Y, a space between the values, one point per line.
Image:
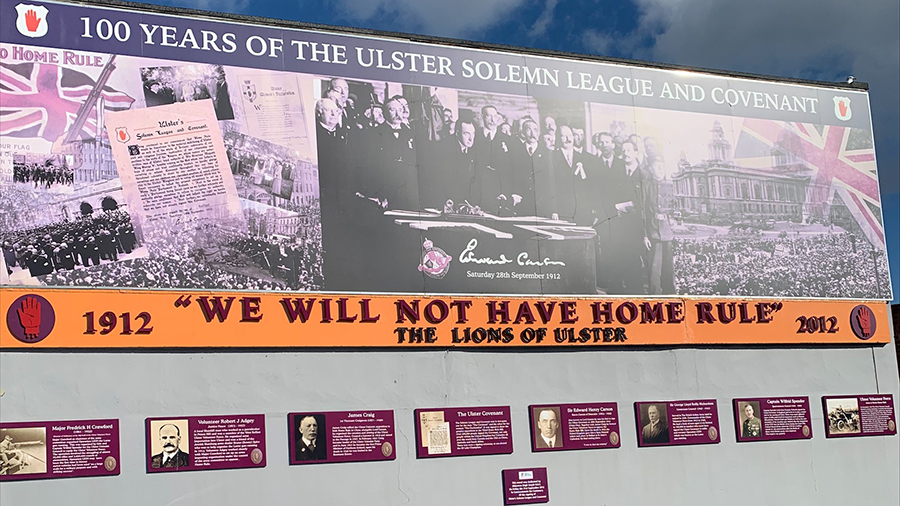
x=865 y=323
x=30 y=317
x=32 y=21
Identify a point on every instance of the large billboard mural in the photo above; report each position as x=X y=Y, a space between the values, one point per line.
x=141 y=150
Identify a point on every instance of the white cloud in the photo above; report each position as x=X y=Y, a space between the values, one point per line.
x=436 y=17
x=597 y=42
x=543 y=21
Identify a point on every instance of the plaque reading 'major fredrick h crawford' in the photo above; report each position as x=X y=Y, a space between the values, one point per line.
x=341 y=436
x=197 y=443
x=453 y=432
x=67 y=449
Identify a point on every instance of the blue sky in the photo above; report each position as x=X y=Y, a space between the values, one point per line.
x=812 y=39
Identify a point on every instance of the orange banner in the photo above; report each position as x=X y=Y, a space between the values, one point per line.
x=71 y=318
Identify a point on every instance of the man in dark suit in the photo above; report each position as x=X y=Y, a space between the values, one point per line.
x=309 y=447
x=453 y=175
x=548 y=430
x=493 y=160
x=623 y=241
x=523 y=167
x=172 y=457
x=656 y=431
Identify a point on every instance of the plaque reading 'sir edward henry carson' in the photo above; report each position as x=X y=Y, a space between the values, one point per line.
x=772 y=418
x=67 y=449
x=341 y=436
x=454 y=432
x=574 y=426
x=199 y=443
x=672 y=423
x=859 y=415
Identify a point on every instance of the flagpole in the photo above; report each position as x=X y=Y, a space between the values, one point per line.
x=85 y=109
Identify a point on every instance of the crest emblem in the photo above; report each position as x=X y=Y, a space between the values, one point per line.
x=434 y=262
x=32 y=20
x=842 y=108
x=122 y=134
x=249 y=91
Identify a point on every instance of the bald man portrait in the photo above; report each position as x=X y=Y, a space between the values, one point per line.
x=171 y=456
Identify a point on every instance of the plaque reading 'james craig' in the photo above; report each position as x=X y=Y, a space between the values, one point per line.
x=69 y=449
x=772 y=418
x=574 y=426
x=525 y=486
x=196 y=443
x=341 y=436
x=859 y=415
x=454 y=432
x=672 y=423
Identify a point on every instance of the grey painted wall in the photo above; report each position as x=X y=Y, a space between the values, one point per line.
x=130 y=387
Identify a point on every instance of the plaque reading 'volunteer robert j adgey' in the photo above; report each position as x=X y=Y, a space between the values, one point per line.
x=454 y=432
x=859 y=415
x=43 y=450
x=199 y=443
x=341 y=436
x=772 y=418
x=670 y=423
x=525 y=486
x=574 y=426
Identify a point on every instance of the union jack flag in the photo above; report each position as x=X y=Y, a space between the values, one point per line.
x=42 y=100
x=839 y=167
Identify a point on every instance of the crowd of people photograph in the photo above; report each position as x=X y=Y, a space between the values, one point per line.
x=837 y=265
x=86 y=241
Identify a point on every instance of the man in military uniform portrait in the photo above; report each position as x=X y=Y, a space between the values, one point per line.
x=752 y=426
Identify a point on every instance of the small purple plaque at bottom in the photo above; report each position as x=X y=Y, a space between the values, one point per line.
x=525 y=486
x=859 y=415
x=68 y=449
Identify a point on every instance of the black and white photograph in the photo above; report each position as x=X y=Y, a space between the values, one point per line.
x=547 y=428
x=654 y=423
x=187 y=83
x=70 y=239
x=23 y=451
x=843 y=415
x=309 y=437
x=43 y=171
x=269 y=173
x=169 y=444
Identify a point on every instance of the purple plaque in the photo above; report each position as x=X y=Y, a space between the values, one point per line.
x=859 y=415
x=197 y=443
x=341 y=436
x=772 y=418
x=69 y=449
x=672 y=423
x=525 y=486
x=453 y=432
x=574 y=426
